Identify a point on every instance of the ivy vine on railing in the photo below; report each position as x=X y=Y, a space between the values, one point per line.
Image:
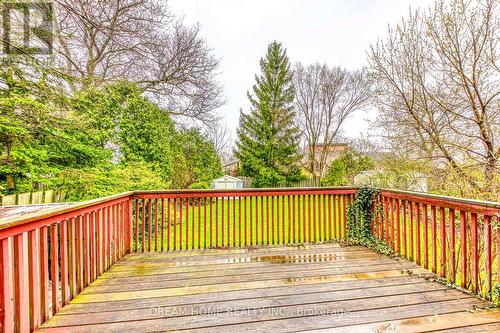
x=359 y=218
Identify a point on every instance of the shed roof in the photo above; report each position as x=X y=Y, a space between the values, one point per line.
x=225 y=178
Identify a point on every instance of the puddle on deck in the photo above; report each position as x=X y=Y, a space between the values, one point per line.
x=289 y=259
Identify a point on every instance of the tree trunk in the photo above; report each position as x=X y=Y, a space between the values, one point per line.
x=11 y=183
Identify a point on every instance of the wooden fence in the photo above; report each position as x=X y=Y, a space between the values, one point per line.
x=39 y=197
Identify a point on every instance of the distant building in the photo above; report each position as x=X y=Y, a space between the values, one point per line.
x=333 y=152
x=227 y=182
x=230 y=168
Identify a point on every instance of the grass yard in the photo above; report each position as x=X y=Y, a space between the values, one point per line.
x=244 y=221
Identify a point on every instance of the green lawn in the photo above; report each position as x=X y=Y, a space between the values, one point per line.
x=244 y=222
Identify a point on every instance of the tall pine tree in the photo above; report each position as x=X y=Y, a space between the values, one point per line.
x=267 y=146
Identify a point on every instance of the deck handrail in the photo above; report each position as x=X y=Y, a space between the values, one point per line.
x=69 y=247
x=48 y=258
x=453 y=237
x=26 y=218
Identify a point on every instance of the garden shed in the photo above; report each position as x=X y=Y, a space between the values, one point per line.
x=227 y=182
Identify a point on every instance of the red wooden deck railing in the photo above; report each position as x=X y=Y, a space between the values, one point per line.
x=50 y=257
x=179 y=220
x=453 y=237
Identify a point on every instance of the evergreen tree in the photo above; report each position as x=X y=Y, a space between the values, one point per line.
x=267 y=146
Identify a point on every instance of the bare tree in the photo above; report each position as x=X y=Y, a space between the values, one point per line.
x=142 y=41
x=325 y=97
x=438 y=88
x=220 y=136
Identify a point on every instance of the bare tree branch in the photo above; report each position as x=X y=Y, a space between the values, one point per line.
x=437 y=86
x=325 y=98
x=141 y=41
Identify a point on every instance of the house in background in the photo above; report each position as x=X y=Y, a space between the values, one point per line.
x=230 y=168
x=333 y=152
x=227 y=182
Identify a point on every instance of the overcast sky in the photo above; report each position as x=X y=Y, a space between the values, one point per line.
x=336 y=32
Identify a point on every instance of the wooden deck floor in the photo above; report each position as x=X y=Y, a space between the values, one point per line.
x=279 y=289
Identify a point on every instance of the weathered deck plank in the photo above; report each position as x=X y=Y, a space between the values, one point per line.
x=327 y=287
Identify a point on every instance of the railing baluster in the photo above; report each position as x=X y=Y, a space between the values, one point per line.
x=380 y=225
x=169 y=225
x=240 y=221
x=114 y=233
x=442 y=233
x=304 y=219
x=251 y=221
x=398 y=227
x=328 y=218
x=110 y=222
x=223 y=219
x=412 y=230
x=72 y=257
x=309 y=218
x=136 y=247
x=273 y=219
x=65 y=291
x=34 y=278
x=79 y=253
x=187 y=224
x=315 y=221
x=451 y=249
x=7 y=285
x=157 y=224
x=392 y=224
x=267 y=221
x=175 y=224
x=463 y=248
x=162 y=224
x=188 y=241
x=216 y=222
x=233 y=243
x=205 y=222
x=434 y=238
x=426 y=237
x=344 y=214
x=405 y=228
x=93 y=250
x=283 y=221
x=487 y=251
x=44 y=273
x=261 y=222
x=300 y=218
x=474 y=253
x=417 y=233
x=54 y=267
x=198 y=242
x=21 y=284
x=86 y=246
x=100 y=240
x=150 y=223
